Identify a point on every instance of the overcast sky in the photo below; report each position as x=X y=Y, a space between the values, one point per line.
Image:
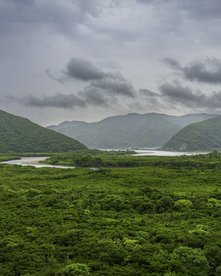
x=89 y=59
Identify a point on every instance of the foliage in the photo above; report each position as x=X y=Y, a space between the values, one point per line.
x=113 y=221
x=190 y=261
x=204 y=135
x=97 y=158
x=21 y=135
x=75 y=269
x=183 y=204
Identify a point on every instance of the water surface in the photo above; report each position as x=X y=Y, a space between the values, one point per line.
x=34 y=162
x=155 y=152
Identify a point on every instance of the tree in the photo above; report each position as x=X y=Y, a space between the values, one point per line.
x=189 y=261
x=75 y=269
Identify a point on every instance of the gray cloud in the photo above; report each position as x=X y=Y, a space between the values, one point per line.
x=208 y=72
x=176 y=93
x=103 y=89
x=86 y=71
x=174 y=64
x=180 y=93
x=83 y=70
x=85 y=98
x=55 y=76
x=94 y=97
x=149 y=100
x=89 y=96
x=60 y=101
x=39 y=34
x=115 y=84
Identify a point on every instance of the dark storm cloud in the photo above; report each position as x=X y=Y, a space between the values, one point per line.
x=85 y=98
x=208 y=72
x=115 y=84
x=103 y=89
x=58 y=100
x=83 y=70
x=176 y=93
x=200 y=9
x=180 y=93
x=89 y=96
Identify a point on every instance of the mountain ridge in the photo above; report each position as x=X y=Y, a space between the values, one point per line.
x=20 y=134
x=205 y=135
x=132 y=130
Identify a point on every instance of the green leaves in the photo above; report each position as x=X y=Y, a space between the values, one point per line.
x=117 y=221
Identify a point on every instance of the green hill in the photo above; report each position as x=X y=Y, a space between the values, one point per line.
x=21 y=135
x=128 y=131
x=204 y=135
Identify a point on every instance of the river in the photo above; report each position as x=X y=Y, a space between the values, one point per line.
x=36 y=161
x=155 y=152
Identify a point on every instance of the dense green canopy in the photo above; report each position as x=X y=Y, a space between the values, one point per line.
x=21 y=135
x=204 y=135
x=162 y=219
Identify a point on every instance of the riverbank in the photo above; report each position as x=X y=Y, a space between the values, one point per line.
x=35 y=162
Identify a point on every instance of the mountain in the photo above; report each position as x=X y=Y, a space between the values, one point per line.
x=204 y=135
x=128 y=131
x=21 y=135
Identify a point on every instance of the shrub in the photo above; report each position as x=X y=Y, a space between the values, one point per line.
x=183 y=204
x=75 y=269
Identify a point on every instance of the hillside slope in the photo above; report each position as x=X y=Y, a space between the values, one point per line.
x=204 y=135
x=21 y=135
x=128 y=131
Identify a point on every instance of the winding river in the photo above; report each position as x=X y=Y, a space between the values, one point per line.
x=36 y=161
x=155 y=152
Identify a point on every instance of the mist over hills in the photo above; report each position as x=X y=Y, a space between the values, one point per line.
x=21 y=135
x=128 y=131
x=205 y=135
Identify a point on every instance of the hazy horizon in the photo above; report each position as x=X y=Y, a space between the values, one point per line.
x=114 y=115
x=88 y=60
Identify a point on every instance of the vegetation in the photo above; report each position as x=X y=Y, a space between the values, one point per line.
x=96 y=158
x=21 y=135
x=7 y=156
x=204 y=135
x=131 y=130
x=160 y=219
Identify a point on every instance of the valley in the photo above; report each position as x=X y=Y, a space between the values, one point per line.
x=80 y=211
x=159 y=218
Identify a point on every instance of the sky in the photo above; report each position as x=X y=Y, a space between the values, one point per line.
x=90 y=59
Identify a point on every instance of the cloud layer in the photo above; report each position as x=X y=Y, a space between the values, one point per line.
x=105 y=57
x=102 y=89
x=185 y=96
x=207 y=72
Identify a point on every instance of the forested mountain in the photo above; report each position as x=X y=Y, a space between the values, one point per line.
x=21 y=135
x=204 y=135
x=128 y=131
